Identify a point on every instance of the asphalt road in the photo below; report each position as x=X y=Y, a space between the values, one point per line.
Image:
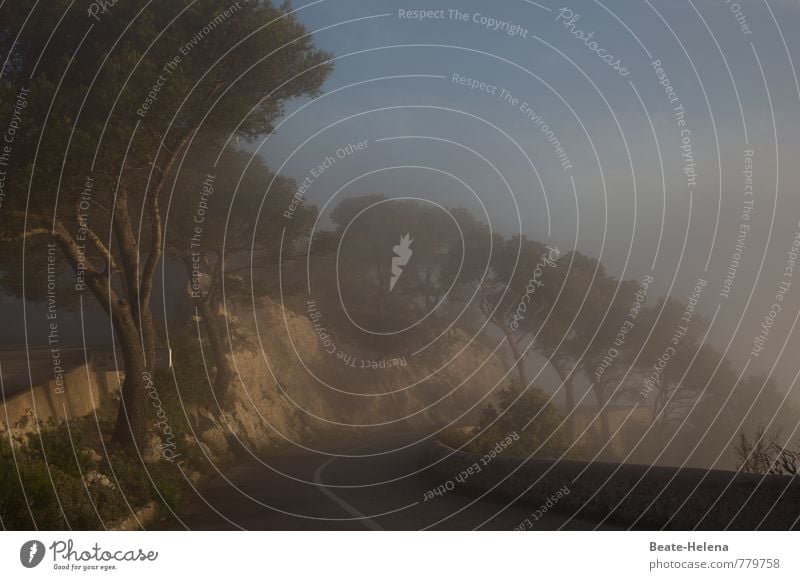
x=383 y=488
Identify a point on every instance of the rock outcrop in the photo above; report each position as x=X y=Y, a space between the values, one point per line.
x=289 y=386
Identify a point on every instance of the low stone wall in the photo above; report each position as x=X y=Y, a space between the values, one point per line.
x=83 y=392
x=714 y=499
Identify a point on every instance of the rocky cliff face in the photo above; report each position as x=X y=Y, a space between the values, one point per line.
x=290 y=386
x=296 y=382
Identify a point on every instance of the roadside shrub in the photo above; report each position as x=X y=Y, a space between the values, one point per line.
x=533 y=423
x=60 y=479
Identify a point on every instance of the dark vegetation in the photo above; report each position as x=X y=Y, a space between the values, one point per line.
x=764 y=454
x=535 y=427
x=104 y=133
x=545 y=304
x=68 y=476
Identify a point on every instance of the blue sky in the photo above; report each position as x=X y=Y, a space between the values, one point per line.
x=430 y=137
x=594 y=113
x=631 y=204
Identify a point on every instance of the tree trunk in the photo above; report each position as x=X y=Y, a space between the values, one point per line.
x=136 y=336
x=133 y=322
x=519 y=362
x=131 y=426
x=602 y=410
x=567 y=375
x=213 y=321
x=569 y=390
x=662 y=412
x=519 y=359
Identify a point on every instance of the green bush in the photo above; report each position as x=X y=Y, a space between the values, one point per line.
x=28 y=495
x=63 y=479
x=528 y=418
x=67 y=476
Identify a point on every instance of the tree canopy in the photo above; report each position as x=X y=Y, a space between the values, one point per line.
x=113 y=105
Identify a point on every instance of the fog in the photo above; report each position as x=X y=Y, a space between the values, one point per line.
x=581 y=217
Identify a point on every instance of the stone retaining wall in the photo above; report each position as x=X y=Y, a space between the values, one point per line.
x=83 y=392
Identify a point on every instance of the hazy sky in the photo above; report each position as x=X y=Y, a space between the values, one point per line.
x=581 y=73
x=633 y=204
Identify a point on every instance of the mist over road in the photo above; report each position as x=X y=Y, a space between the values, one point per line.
x=382 y=488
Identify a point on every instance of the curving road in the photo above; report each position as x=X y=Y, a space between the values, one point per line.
x=382 y=489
